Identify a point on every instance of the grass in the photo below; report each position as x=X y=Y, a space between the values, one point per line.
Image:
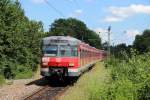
x=24 y=75
x=2 y=80
x=28 y=73
x=90 y=85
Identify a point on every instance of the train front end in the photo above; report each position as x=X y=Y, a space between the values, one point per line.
x=59 y=56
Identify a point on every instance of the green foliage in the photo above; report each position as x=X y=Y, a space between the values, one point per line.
x=142 y=42
x=130 y=77
x=24 y=74
x=2 y=80
x=75 y=28
x=120 y=49
x=19 y=38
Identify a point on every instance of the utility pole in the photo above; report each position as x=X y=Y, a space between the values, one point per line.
x=82 y=37
x=99 y=38
x=108 y=48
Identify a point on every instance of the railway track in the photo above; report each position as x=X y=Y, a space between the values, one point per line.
x=47 y=93
x=51 y=91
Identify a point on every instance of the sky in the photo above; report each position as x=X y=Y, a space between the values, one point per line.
x=127 y=18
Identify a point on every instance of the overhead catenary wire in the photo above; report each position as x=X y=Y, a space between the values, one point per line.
x=54 y=8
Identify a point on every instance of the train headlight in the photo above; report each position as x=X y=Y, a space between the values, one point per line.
x=45 y=59
x=71 y=64
x=45 y=63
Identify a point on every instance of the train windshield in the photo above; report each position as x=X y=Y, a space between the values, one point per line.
x=50 y=50
x=68 y=51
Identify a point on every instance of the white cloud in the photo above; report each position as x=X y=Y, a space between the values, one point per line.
x=76 y=13
x=113 y=19
x=120 y=13
x=38 y=1
x=127 y=37
x=132 y=33
x=103 y=34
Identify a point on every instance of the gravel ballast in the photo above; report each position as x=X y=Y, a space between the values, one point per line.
x=18 y=89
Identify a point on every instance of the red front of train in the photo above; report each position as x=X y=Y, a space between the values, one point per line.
x=67 y=56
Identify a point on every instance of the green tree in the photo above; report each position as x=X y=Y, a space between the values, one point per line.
x=75 y=28
x=119 y=50
x=142 y=42
x=19 y=39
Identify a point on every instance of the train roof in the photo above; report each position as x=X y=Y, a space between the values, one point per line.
x=73 y=40
x=68 y=38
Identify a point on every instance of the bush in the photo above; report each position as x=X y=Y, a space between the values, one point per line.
x=24 y=74
x=130 y=77
x=144 y=91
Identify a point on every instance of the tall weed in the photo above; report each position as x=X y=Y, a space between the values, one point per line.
x=130 y=77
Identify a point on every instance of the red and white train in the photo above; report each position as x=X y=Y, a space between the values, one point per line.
x=67 y=56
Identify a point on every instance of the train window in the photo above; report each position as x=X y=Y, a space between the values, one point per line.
x=74 y=51
x=50 y=50
x=66 y=50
